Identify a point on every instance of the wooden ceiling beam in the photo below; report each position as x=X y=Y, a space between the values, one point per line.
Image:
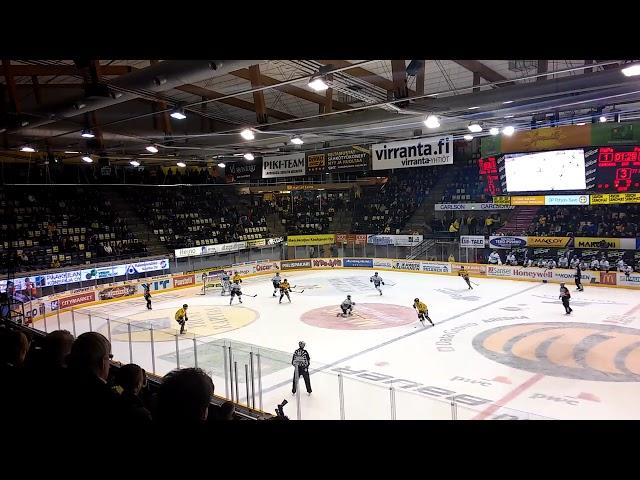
x=11 y=85
x=362 y=73
x=259 y=104
x=485 y=72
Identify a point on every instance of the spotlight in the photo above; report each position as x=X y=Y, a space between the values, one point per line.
x=494 y=130
x=70 y=151
x=87 y=159
x=631 y=71
x=152 y=149
x=221 y=165
x=135 y=163
x=603 y=119
x=86 y=133
x=28 y=149
x=297 y=141
x=474 y=127
x=181 y=164
x=473 y=108
x=249 y=156
x=432 y=121
x=318 y=84
x=247 y=134
x=581 y=124
x=178 y=114
x=507 y=102
x=508 y=130
x=468 y=137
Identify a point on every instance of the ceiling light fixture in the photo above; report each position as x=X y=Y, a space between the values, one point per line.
x=473 y=108
x=581 y=124
x=178 y=114
x=247 y=134
x=297 y=141
x=468 y=137
x=508 y=116
x=318 y=84
x=507 y=102
x=432 y=121
x=221 y=165
x=152 y=149
x=87 y=159
x=494 y=130
x=631 y=71
x=508 y=130
x=135 y=163
x=475 y=127
x=27 y=149
x=86 y=133
x=70 y=151
x=181 y=164
x=249 y=156
x=603 y=119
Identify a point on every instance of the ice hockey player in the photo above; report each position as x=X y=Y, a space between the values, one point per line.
x=604 y=264
x=565 y=296
x=423 y=311
x=285 y=288
x=583 y=265
x=147 y=294
x=181 y=317
x=346 y=306
x=620 y=264
x=236 y=277
x=627 y=272
x=276 y=283
x=578 y=278
x=575 y=261
x=226 y=282
x=529 y=263
x=494 y=258
x=563 y=262
x=464 y=274
x=377 y=280
x=541 y=263
x=235 y=290
x=511 y=259
x=551 y=263
x=595 y=264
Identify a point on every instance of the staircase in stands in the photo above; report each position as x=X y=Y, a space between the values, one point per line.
x=137 y=225
x=519 y=221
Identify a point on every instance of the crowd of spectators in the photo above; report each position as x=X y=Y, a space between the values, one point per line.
x=310 y=212
x=587 y=221
x=468 y=186
x=66 y=383
x=466 y=224
x=61 y=226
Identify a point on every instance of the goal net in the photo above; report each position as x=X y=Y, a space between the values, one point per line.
x=211 y=283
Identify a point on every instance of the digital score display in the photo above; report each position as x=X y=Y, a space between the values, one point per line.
x=618 y=169
x=489 y=171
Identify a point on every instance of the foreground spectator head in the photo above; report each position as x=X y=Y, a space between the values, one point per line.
x=184 y=396
x=131 y=378
x=91 y=352
x=227 y=411
x=14 y=346
x=56 y=348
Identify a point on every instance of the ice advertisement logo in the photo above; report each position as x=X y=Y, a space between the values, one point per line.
x=607 y=353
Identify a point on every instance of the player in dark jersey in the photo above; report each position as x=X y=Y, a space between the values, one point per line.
x=565 y=296
x=147 y=294
x=578 y=278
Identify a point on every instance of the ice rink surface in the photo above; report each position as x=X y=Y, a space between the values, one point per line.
x=503 y=350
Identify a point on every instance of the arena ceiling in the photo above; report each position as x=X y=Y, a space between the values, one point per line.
x=127 y=104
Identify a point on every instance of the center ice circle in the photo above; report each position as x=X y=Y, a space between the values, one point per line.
x=366 y=316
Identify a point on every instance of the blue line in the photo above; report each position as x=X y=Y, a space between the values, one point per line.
x=393 y=340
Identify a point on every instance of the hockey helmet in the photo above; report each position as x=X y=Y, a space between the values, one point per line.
x=185 y=305
x=416 y=299
x=301 y=344
x=562 y=284
x=277 y=274
x=349 y=297
x=376 y=273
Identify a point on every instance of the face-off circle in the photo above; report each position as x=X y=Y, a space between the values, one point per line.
x=365 y=316
x=203 y=321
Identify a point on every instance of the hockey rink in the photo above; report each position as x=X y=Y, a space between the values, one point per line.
x=504 y=350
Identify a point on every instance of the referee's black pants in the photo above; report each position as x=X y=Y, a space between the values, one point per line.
x=304 y=373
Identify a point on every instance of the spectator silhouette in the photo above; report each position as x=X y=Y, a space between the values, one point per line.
x=183 y=399
x=132 y=412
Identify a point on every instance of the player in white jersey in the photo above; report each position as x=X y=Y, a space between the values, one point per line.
x=595 y=264
x=621 y=265
x=563 y=262
x=276 y=280
x=627 y=271
x=551 y=263
x=494 y=258
x=604 y=264
x=346 y=306
x=226 y=282
x=575 y=261
x=377 y=280
x=235 y=290
x=511 y=259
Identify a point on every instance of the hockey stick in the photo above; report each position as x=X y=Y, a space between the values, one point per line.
x=391 y=284
x=252 y=296
x=476 y=284
x=298 y=291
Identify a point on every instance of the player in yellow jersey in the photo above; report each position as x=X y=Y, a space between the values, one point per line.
x=285 y=288
x=236 y=278
x=423 y=311
x=181 y=317
x=464 y=274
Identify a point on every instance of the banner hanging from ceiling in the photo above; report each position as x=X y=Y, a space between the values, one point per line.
x=352 y=158
x=292 y=165
x=417 y=152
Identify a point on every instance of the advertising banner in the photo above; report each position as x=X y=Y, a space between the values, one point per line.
x=507 y=242
x=501 y=271
x=472 y=241
x=73 y=300
x=447 y=207
x=598 y=242
x=435 y=267
x=341 y=159
x=417 y=152
x=607 y=278
x=156 y=283
x=614 y=198
x=474 y=268
x=244 y=170
x=275 y=240
x=406 y=265
x=260 y=242
x=184 y=280
x=244 y=268
x=263 y=267
x=528 y=200
x=566 y=200
x=398 y=240
x=292 y=165
x=358 y=262
x=553 y=242
x=301 y=240
x=351 y=238
x=382 y=263
x=565 y=275
x=294 y=264
x=210 y=249
x=326 y=262
x=633 y=280
x=117 y=292
x=559 y=138
x=502 y=200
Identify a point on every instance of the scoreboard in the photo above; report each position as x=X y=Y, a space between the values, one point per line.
x=613 y=169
